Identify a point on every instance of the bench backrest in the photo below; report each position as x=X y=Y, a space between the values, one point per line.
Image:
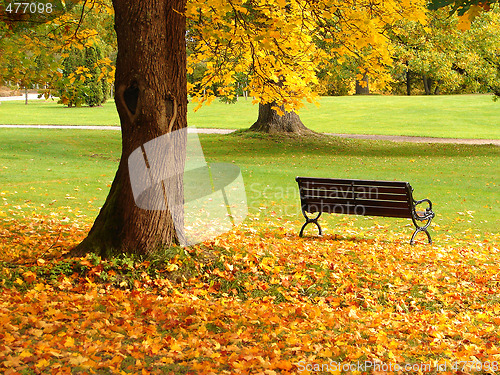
x=356 y=197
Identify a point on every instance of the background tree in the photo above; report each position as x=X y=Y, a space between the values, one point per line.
x=71 y=90
x=26 y=62
x=441 y=58
x=96 y=93
x=19 y=68
x=335 y=79
x=467 y=8
x=484 y=37
x=82 y=80
x=274 y=118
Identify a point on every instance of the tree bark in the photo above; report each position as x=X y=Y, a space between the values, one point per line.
x=363 y=89
x=408 y=82
x=270 y=121
x=437 y=90
x=427 y=85
x=151 y=99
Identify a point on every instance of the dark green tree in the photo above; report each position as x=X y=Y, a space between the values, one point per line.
x=95 y=94
x=71 y=92
x=81 y=81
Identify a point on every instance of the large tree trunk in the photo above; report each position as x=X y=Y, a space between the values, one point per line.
x=151 y=98
x=270 y=121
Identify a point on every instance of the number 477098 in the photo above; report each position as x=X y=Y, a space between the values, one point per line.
x=29 y=7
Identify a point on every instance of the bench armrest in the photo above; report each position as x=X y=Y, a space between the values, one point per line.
x=428 y=214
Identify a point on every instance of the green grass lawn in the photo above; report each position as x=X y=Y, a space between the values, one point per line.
x=455 y=116
x=63 y=172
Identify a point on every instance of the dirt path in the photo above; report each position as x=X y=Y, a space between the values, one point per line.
x=403 y=138
x=104 y=127
x=394 y=138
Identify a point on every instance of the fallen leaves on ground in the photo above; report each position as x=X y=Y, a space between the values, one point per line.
x=256 y=300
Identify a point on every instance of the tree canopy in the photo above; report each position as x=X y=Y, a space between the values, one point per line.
x=273 y=43
x=272 y=50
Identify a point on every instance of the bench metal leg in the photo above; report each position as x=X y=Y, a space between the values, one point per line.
x=422 y=228
x=308 y=221
x=426 y=216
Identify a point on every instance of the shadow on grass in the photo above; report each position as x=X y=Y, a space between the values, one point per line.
x=323 y=145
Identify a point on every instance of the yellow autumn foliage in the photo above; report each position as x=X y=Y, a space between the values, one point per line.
x=256 y=300
x=279 y=45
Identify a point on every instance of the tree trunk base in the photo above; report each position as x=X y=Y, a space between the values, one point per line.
x=271 y=122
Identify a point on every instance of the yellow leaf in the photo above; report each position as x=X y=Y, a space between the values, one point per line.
x=25 y=353
x=42 y=363
x=282 y=3
x=29 y=277
x=69 y=342
x=464 y=22
x=78 y=360
x=40 y=262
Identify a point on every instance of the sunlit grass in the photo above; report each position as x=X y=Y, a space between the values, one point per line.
x=44 y=170
x=454 y=116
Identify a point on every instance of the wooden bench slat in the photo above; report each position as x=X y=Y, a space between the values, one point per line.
x=358 y=210
x=357 y=189
x=351 y=202
x=348 y=195
x=336 y=181
x=388 y=212
x=327 y=194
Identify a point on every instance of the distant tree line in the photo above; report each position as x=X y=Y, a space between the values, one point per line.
x=427 y=59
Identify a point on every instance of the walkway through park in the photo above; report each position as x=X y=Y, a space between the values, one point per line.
x=394 y=138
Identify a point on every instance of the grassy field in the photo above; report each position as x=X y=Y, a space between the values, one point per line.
x=62 y=172
x=456 y=116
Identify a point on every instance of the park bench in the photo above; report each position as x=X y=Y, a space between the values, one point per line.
x=362 y=197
